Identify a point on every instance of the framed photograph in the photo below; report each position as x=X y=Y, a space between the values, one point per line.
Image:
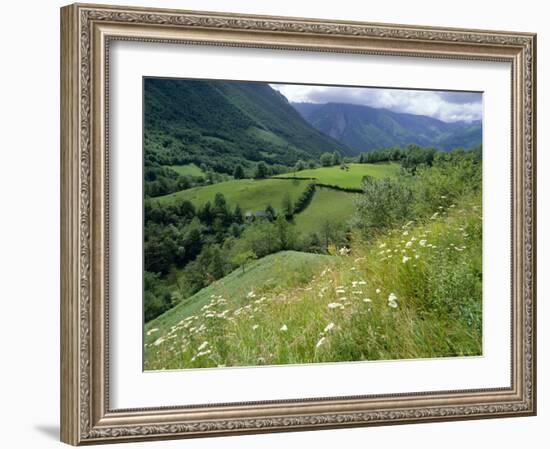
x=280 y=224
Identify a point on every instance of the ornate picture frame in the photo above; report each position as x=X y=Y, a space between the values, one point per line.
x=87 y=32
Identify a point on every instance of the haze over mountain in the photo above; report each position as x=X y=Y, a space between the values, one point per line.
x=364 y=128
x=222 y=123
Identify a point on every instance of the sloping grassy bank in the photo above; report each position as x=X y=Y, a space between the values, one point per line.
x=412 y=292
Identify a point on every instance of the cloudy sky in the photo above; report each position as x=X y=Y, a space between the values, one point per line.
x=444 y=105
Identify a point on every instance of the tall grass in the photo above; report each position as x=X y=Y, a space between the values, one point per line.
x=413 y=292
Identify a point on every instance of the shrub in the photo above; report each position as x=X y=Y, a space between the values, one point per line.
x=384 y=204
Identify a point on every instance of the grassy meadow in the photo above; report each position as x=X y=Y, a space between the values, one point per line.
x=328 y=208
x=187 y=169
x=250 y=194
x=349 y=177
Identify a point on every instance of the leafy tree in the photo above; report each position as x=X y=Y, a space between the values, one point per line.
x=157 y=298
x=261 y=171
x=300 y=165
x=243 y=258
x=270 y=213
x=219 y=201
x=238 y=216
x=326 y=159
x=239 y=172
x=313 y=243
x=287 y=206
x=311 y=164
x=285 y=233
x=336 y=158
x=415 y=156
x=385 y=203
x=206 y=214
x=332 y=233
x=221 y=211
x=235 y=230
x=259 y=237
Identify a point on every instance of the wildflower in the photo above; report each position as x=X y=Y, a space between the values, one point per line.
x=251 y=294
x=443 y=197
x=408 y=244
x=406 y=233
x=283 y=328
x=151 y=331
x=382 y=245
x=416 y=256
x=362 y=282
x=329 y=327
x=378 y=290
x=158 y=341
x=202 y=346
x=434 y=216
x=320 y=342
x=340 y=291
x=334 y=305
x=392 y=300
x=200 y=354
x=256 y=326
x=406 y=259
x=422 y=242
x=367 y=300
x=343 y=251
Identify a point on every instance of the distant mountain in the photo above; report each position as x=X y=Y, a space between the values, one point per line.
x=222 y=123
x=365 y=128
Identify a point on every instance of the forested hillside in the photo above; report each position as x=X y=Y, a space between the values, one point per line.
x=223 y=124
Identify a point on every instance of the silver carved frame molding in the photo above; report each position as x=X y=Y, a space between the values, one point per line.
x=86 y=32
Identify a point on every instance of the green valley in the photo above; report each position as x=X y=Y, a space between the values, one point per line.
x=280 y=233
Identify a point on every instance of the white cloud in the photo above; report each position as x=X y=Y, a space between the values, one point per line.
x=446 y=106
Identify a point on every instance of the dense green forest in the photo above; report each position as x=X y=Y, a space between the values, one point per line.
x=243 y=197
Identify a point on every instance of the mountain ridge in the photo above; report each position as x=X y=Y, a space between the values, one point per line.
x=225 y=123
x=365 y=128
